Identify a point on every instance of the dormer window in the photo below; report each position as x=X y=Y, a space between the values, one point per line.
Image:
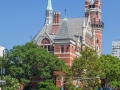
x=45 y=43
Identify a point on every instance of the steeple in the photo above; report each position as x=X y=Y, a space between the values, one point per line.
x=49 y=13
x=49 y=6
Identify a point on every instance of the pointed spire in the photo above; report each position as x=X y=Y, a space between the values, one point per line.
x=49 y=13
x=65 y=12
x=49 y=6
x=65 y=18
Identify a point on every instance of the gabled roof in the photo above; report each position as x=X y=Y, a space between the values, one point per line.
x=69 y=29
x=40 y=34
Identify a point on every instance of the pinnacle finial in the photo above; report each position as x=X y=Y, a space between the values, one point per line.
x=65 y=15
x=65 y=11
x=49 y=6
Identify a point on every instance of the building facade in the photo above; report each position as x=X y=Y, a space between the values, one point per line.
x=1 y=50
x=66 y=37
x=116 y=48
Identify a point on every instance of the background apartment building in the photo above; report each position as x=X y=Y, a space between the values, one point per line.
x=1 y=50
x=116 y=48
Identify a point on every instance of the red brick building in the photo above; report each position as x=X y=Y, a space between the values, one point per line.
x=65 y=37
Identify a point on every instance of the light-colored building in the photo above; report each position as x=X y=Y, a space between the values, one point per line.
x=116 y=48
x=1 y=50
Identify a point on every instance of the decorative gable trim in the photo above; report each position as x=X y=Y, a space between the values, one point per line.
x=45 y=35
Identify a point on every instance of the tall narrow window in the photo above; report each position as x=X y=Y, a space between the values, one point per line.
x=52 y=48
x=94 y=20
x=99 y=20
x=96 y=13
x=62 y=49
x=45 y=47
x=49 y=48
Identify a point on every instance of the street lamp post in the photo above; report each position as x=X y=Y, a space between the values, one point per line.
x=5 y=55
x=62 y=88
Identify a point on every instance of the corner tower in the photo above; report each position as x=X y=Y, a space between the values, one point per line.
x=49 y=13
x=94 y=11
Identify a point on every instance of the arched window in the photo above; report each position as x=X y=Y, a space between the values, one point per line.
x=45 y=43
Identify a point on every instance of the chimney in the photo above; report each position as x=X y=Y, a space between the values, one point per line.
x=56 y=22
x=54 y=16
x=58 y=17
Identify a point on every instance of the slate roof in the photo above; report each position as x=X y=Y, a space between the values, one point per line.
x=69 y=29
x=64 y=31
x=75 y=27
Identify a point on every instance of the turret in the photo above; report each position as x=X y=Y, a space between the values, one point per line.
x=49 y=13
x=94 y=11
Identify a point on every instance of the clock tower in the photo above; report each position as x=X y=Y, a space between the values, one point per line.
x=49 y=13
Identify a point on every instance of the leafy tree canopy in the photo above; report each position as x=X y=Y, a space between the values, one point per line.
x=87 y=68
x=47 y=85
x=11 y=83
x=27 y=61
x=111 y=69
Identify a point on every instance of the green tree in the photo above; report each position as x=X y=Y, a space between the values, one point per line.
x=47 y=85
x=11 y=83
x=28 y=61
x=87 y=68
x=111 y=69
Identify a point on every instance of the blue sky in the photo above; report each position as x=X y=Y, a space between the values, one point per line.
x=22 y=19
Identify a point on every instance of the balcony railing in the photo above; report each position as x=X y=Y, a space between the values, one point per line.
x=97 y=24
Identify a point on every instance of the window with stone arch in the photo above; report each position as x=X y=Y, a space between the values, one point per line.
x=45 y=43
